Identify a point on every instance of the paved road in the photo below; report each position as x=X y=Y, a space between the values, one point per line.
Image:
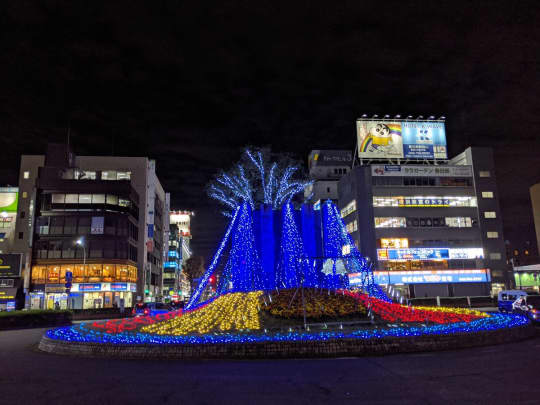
x=507 y=374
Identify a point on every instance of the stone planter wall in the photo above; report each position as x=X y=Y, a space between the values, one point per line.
x=331 y=348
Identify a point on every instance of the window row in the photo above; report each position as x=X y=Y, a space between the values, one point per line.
x=422 y=181
x=420 y=201
x=67 y=225
x=402 y=222
x=76 y=174
x=395 y=265
x=348 y=209
x=68 y=249
x=89 y=199
x=93 y=273
x=352 y=226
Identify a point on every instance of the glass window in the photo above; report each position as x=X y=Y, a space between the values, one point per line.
x=487 y=194
x=24 y=194
x=493 y=235
x=70 y=225
x=26 y=175
x=390 y=222
x=94 y=272
x=55 y=249
x=123 y=175
x=85 y=198
x=53 y=274
x=68 y=250
x=57 y=225
x=72 y=198
x=39 y=274
x=112 y=199
x=110 y=225
x=87 y=175
x=58 y=198
x=96 y=248
x=484 y=173
x=108 y=175
x=123 y=202
x=495 y=256
x=84 y=225
x=98 y=198
x=108 y=272
x=43 y=225
x=79 y=275
x=348 y=209
x=490 y=214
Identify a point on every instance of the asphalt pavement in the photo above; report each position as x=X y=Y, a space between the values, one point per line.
x=504 y=374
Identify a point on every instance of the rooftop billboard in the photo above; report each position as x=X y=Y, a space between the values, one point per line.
x=390 y=139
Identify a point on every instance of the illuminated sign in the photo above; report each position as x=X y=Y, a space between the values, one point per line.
x=394 y=243
x=119 y=286
x=7 y=294
x=8 y=199
x=81 y=287
x=421 y=171
x=425 y=277
x=388 y=139
x=170 y=265
x=10 y=265
x=90 y=287
x=430 y=253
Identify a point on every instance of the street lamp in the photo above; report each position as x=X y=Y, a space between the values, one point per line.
x=80 y=242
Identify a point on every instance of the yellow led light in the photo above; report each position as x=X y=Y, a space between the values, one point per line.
x=234 y=311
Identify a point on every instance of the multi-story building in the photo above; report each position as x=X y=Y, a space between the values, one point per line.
x=179 y=250
x=535 y=201
x=326 y=167
x=431 y=229
x=100 y=219
x=10 y=261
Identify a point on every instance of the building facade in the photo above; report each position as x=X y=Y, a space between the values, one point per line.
x=180 y=251
x=430 y=230
x=326 y=167
x=93 y=224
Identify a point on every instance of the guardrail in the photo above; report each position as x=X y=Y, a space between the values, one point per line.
x=455 y=302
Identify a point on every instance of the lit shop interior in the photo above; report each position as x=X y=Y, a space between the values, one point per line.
x=94 y=285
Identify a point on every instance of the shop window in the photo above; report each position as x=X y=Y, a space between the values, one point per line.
x=63 y=269
x=98 y=198
x=122 y=272
x=79 y=273
x=108 y=272
x=53 y=274
x=39 y=274
x=94 y=272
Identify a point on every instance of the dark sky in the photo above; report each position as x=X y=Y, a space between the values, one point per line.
x=190 y=83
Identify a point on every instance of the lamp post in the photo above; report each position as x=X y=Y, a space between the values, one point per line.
x=80 y=242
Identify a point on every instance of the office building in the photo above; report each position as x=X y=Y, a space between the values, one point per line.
x=179 y=251
x=430 y=228
x=100 y=219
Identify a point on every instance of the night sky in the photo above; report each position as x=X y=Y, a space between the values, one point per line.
x=190 y=83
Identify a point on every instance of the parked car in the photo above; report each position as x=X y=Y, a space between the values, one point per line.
x=507 y=298
x=528 y=305
x=150 y=308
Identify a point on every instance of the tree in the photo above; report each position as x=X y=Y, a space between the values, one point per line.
x=194 y=268
x=259 y=177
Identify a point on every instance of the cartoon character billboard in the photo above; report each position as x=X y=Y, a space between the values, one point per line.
x=379 y=139
x=401 y=139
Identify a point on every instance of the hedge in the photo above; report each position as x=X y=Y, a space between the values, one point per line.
x=34 y=319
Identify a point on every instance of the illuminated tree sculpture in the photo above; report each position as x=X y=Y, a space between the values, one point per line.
x=258 y=180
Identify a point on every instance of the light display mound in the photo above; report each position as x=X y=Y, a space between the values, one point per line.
x=272 y=259
x=236 y=318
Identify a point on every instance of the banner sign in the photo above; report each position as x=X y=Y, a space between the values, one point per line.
x=421 y=171
x=425 y=277
x=430 y=254
x=97 y=226
x=390 y=139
